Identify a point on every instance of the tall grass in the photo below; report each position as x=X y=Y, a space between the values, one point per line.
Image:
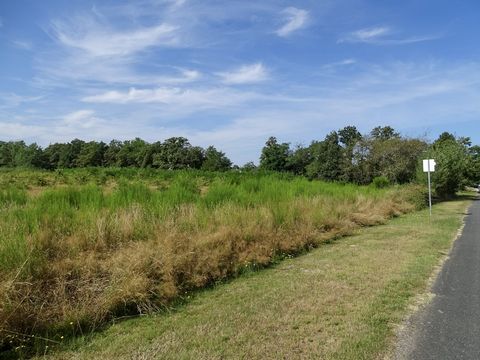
x=75 y=253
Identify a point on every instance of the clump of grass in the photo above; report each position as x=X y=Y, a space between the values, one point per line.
x=82 y=254
x=12 y=196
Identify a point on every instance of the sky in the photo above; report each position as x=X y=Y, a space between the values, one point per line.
x=233 y=73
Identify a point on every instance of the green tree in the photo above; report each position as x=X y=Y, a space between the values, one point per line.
x=111 y=157
x=132 y=153
x=395 y=158
x=5 y=154
x=151 y=151
x=473 y=166
x=274 y=155
x=52 y=154
x=64 y=155
x=384 y=133
x=445 y=137
x=298 y=160
x=19 y=154
x=326 y=159
x=73 y=149
x=249 y=166
x=177 y=153
x=91 y=154
x=196 y=157
x=451 y=157
x=349 y=137
x=215 y=160
x=28 y=156
x=361 y=170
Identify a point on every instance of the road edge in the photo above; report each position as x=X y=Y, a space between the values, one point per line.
x=401 y=338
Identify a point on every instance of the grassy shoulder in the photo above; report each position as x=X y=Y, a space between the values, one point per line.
x=340 y=301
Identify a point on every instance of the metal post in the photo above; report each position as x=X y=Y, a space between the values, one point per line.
x=429 y=190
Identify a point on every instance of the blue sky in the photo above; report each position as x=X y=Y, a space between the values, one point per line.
x=233 y=73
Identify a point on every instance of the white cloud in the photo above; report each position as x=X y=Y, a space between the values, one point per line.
x=10 y=100
x=410 y=40
x=246 y=74
x=347 y=62
x=190 y=74
x=183 y=100
x=99 y=40
x=16 y=131
x=186 y=76
x=81 y=119
x=378 y=36
x=58 y=72
x=76 y=116
x=295 y=20
x=92 y=48
x=178 y=3
x=341 y=63
x=23 y=45
x=133 y=95
x=370 y=34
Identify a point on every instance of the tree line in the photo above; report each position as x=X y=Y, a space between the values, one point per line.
x=173 y=153
x=382 y=156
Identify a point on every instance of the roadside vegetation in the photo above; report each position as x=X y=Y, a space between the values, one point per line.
x=73 y=257
x=91 y=232
x=340 y=301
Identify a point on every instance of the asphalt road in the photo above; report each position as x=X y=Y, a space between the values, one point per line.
x=449 y=326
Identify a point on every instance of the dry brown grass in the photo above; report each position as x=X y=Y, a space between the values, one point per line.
x=128 y=262
x=340 y=301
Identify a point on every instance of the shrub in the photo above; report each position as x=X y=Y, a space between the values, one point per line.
x=380 y=182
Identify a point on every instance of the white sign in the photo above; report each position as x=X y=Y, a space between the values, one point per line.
x=429 y=165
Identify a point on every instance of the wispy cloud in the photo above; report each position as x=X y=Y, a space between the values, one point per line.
x=245 y=74
x=295 y=19
x=340 y=63
x=185 y=76
x=23 y=45
x=133 y=95
x=178 y=3
x=10 y=100
x=381 y=35
x=92 y=47
x=82 y=119
x=58 y=72
x=184 y=100
x=370 y=34
x=111 y=44
x=99 y=40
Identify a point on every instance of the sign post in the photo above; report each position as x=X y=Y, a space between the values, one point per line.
x=428 y=167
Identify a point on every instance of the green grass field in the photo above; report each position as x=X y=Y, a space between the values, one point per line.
x=82 y=247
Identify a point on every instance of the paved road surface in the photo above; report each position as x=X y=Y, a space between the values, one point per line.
x=449 y=327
